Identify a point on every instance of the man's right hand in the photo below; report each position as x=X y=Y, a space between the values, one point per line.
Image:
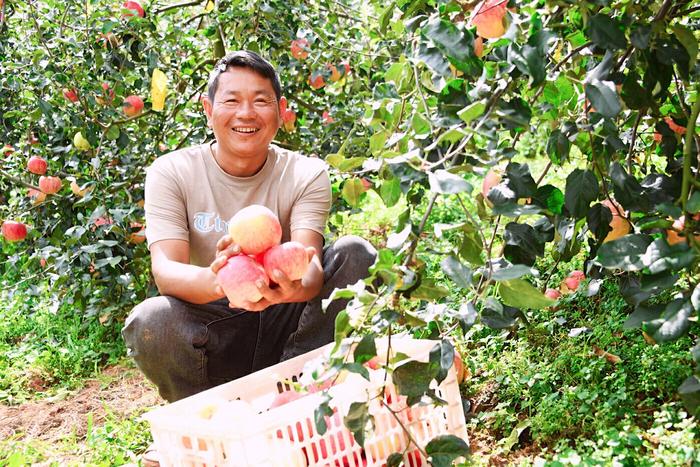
x=225 y=248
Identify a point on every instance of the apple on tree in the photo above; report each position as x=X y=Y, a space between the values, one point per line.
x=133 y=106
x=134 y=8
x=300 y=49
x=489 y=18
x=8 y=150
x=619 y=225
x=80 y=142
x=37 y=165
x=70 y=94
x=14 y=231
x=37 y=196
x=50 y=185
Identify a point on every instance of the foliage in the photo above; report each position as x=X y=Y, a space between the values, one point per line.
x=601 y=97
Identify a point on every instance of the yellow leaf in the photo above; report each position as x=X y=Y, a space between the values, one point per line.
x=209 y=7
x=159 y=89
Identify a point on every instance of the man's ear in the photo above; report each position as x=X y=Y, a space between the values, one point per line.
x=207 y=104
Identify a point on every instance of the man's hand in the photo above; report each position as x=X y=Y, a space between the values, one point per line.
x=286 y=291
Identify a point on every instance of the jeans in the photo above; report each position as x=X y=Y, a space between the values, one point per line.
x=185 y=348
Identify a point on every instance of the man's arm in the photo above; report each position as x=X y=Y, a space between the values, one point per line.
x=177 y=278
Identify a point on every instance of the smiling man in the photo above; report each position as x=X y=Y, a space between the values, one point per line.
x=189 y=339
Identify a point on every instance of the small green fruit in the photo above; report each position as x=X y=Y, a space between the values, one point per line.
x=80 y=142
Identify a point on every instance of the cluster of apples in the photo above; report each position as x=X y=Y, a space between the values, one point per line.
x=258 y=233
x=569 y=285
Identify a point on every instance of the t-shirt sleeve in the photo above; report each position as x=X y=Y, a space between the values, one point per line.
x=166 y=211
x=311 y=209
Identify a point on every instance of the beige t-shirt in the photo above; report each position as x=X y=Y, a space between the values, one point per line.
x=189 y=197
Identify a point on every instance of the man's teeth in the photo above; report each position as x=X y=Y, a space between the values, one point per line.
x=245 y=130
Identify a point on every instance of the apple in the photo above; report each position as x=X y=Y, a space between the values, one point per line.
x=238 y=279
x=49 y=185
x=554 y=294
x=100 y=221
x=36 y=196
x=489 y=18
x=619 y=225
x=14 y=231
x=137 y=233
x=42 y=262
x=134 y=8
x=492 y=178
x=316 y=81
x=300 y=49
x=7 y=150
x=335 y=74
x=288 y=116
x=133 y=106
x=37 y=165
x=80 y=142
x=460 y=371
x=255 y=229
x=290 y=258
x=77 y=190
x=571 y=283
x=676 y=128
x=327 y=119
x=479 y=46
x=70 y=94
x=676 y=234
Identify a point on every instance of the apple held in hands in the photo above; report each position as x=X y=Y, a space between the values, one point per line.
x=255 y=229
x=291 y=258
x=238 y=278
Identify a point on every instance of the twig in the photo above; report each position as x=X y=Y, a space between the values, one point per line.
x=688 y=153
x=18 y=181
x=634 y=139
x=178 y=5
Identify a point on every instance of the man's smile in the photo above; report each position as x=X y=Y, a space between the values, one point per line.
x=245 y=129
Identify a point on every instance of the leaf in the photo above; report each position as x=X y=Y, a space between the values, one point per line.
x=428 y=290
x=690 y=393
x=159 y=90
x=660 y=256
x=519 y=293
x=442 y=356
x=390 y=191
x=612 y=358
x=642 y=314
x=693 y=205
x=420 y=125
x=514 y=437
x=628 y=191
x=686 y=37
x=497 y=316
x=606 y=32
x=503 y=270
x=598 y=219
x=472 y=111
x=673 y=323
x=352 y=190
x=455 y=270
x=581 y=190
x=550 y=197
x=603 y=97
x=467 y=316
x=444 y=449
x=357 y=419
x=558 y=147
x=442 y=181
x=320 y=414
x=522 y=244
x=520 y=180
x=695 y=298
x=455 y=43
x=365 y=350
x=624 y=253
x=395 y=459
x=412 y=379
x=396 y=240
x=342 y=327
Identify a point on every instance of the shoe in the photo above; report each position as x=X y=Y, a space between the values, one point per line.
x=151 y=458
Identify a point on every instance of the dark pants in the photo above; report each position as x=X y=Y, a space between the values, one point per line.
x=185 y=348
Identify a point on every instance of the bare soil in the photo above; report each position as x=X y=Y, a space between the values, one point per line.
x=118 y=389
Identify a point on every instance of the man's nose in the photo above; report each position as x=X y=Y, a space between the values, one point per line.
x=246 y=109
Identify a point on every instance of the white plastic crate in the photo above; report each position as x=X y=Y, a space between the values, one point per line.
x=249 y=433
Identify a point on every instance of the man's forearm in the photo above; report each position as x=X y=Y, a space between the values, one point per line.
x=190 y=283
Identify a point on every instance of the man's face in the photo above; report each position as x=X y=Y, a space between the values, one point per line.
x=244 y=115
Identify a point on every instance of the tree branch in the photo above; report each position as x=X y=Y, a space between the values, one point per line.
x=178 y=5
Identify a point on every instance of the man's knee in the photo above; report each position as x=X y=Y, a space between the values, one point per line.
x=144 y=326
x=354 y=249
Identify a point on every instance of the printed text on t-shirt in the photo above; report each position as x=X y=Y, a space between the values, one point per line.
x=209 y=221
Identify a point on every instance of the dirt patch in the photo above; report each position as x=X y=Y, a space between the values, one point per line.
x=119 y=389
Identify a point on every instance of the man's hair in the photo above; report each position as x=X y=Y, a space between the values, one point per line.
x=243 y=59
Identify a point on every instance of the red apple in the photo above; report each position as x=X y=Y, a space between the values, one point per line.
x=37 y=165
x=238 y=279
x=554 y=294
x=138 y=233
x=479 y=46
x=316 y=81
x=300 y=49
x=572 y=283
x=327 y=119
x=676 y=128
x=14 y=231
x=49 y=185
x=134 y=8
x=255 y=229
x=290 y=258
x=70 y=94
x=133 y=105
x=8 y=150
x=107 y=95
x=489 y=18
x=492 y=178
x=36 y=196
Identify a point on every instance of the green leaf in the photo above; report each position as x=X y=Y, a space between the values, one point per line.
x=603 y=97
x=342 y=327
x=558 y=147
x=352 y=190
x=497 y=316
x=693 y=205
x=357 y=419
x=606 y=32
x=581 y=190
x=420 y=124
x=550 y=198
x=412 y=379
x=642 y=314
x=390 y=191
x=519 y=293
x=442 y=356
x=472 y=111
x=660 y=256
x=523 y=244
x=444 y=449
x=624 y=253
x=627 y=189
x=686 y=37
x=394 y=460
x=320 y=414
x=455 y=270
x=455 y=43
x=690 y=393
x=428 y=290
x=366 y=349
x=598 y=219
x=673 y=323
x=442 y=181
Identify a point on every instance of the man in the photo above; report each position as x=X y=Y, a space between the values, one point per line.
x=188 y=339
